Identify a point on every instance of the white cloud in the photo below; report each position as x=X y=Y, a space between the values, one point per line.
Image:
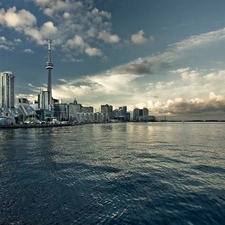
x=199 y=40
x=18 y=20
x=66 y=15
x=78 y=42
x=41 y=35
x=2 y=39
x=68 y=18
x=114 y=83
x=92 y=32
x=53 y=7
x=5 y=44
x=28 y=50
x=93 y=51
x=24 y=21
x=42 y=2
x=139 y=38
x=17 y=41
x=48 y=28
x=109 y=38
x=4 y=47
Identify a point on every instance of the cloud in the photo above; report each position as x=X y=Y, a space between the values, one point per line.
x=25 y=22
x=4 y=47
x=5 y=44
x=78 y=42
x=93 y=51
x=68 y=19
x=164 y=60
x=92 y=32
x=139 y=38
x=2 y=39
x=54 y=7
x=199 y=40
x=41 y=35
x=186 y=108
x=17 y=20
x=80 y=20
x=97 y=13
x=213 y=103
x=28 y=50
x=17 y=40
x=143 y=68
x=108 y=38
x=94 y=88
x=66 y=15
x=48 y=28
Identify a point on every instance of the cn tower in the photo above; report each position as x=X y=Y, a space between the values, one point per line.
x=49 y=67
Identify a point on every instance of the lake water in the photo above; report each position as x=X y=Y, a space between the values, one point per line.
x=120 y=173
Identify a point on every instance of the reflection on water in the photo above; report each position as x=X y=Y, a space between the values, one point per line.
x=122 y=173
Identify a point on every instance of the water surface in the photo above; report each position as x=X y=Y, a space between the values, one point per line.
x=121 y=173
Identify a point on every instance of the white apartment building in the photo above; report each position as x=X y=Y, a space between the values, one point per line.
x=7 y=90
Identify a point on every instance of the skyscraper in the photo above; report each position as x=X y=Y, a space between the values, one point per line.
x=49 y=67
x=107 y=111
x=7 y=92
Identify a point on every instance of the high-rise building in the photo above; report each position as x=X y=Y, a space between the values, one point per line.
x=142 y=115
x=107 y=111
x=123 y=112
x=135 y=114
x=49 y=67
x=7 y=90
x=145 y=112
x=43 y=99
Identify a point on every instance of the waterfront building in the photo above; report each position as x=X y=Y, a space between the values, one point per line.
x=98 y=117
x=72 y=110
x=123 y=113
x=135 y=114
x=60 y=111
x=4 y=120
x=49 y=67
x=107 y=111
x=145 y=112
x=115 y=114
x=87 y=109
x=128 y=116
x=142 y=115
x=7 y=90
x=23 y=110
x=43 y=100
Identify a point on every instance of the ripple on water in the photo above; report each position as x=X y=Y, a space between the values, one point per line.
x=113 y=174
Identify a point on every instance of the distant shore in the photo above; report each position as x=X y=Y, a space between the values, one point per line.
x=14 y=126
x=34 y=125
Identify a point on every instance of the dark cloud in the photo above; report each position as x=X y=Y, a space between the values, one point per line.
x=144 y=67
x=141 y=68
x=135 y=69
x=188 y=107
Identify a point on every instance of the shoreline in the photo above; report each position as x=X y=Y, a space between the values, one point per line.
x=15 y=126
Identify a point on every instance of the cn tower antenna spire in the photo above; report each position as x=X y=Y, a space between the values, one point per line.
x=49 y=67
x=49 y=49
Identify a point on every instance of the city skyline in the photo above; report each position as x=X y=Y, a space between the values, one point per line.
x=165 y=56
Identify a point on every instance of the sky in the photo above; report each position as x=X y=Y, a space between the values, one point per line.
x=167 y=56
